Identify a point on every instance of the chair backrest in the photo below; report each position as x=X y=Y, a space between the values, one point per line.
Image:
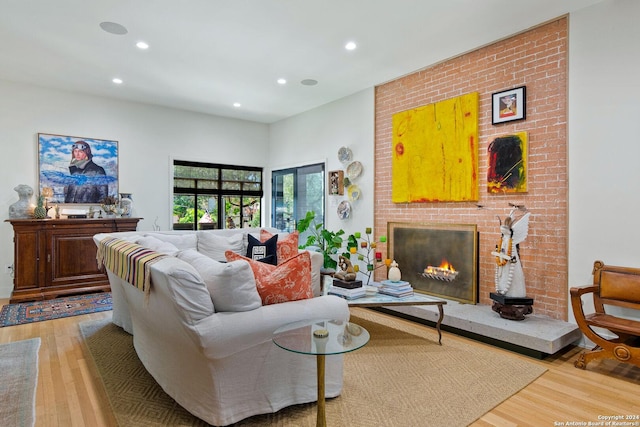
x=617 y=285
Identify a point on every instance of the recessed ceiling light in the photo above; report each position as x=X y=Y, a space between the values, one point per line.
x=282 y=81
x=350 y=46
x=117 y=81
x=309 y=82
x=237 y=104
x=113 y=28
x=142 y=45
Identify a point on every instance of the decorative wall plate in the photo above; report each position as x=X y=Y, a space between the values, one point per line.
x=344 y=154
x=344 y=210
x=353 y=191
x=354 y=170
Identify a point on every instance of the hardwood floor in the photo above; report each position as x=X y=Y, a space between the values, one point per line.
x=70 y=394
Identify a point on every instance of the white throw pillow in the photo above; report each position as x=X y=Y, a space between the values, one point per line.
x=180 y=241
x=157 y=245
x=232 y=285
x=214 y=245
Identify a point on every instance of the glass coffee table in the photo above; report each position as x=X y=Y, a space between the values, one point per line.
x=321 y=338
x=381 y=300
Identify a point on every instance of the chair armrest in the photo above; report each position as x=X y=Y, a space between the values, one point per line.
x=578 y=310
x=224 y=334
x=576 y=300
x=578 y=291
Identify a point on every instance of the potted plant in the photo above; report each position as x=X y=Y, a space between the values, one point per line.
x=326 y=242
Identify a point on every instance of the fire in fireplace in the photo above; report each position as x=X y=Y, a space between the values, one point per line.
x=427 y=254
x=445 y=272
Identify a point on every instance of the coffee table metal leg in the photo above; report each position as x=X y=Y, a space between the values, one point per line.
x=321 y=420
x=441 y=311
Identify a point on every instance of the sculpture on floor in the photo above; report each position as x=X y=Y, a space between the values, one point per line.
x=510 y=297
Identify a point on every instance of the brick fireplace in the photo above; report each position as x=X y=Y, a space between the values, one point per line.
x=536 y=59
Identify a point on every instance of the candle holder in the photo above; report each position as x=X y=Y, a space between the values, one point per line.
x=363 y=247
x=47 y=193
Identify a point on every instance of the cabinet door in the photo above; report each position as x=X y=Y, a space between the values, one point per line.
x=71 y=258
x=29 y=248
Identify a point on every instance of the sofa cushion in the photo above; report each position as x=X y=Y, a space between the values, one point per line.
x=265 y=252
x=213 y=245
x=287 y=244
x=289 y=281
x=157 y=245
x=180 y=241
x=232 y=285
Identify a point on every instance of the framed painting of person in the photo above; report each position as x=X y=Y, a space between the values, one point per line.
x=79 y=170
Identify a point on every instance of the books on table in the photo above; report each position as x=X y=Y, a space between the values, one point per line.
x=347 y=293
x=396 y=289
x=399 y=289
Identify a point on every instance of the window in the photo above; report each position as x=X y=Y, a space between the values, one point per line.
x=294 y=192
x=208 y=196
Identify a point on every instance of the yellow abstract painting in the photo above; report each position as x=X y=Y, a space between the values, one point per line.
x=435 y=152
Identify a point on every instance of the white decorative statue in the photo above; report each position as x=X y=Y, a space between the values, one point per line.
x=509 y=278
x=23 y=207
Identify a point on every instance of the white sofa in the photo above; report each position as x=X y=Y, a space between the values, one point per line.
x=220 y=366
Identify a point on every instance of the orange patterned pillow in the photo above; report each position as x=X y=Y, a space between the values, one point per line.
x=289 y=281
x=287 y=245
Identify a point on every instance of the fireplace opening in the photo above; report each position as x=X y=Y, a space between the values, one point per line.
x=437 y=259
x=445 y=272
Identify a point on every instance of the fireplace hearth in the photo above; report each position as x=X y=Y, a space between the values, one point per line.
x=437 y=259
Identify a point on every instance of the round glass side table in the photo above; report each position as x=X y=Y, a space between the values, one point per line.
x=321 y=338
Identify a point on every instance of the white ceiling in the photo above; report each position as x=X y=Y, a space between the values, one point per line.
x=205 y=55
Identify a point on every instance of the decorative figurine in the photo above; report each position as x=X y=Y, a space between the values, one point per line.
x=347 y=272
x=510 y=298
x=22 y=208
x=394 y=272
x=40 y=212
x=509 y=279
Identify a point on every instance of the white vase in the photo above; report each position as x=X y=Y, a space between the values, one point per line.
x=394 y=272
x=126 y=202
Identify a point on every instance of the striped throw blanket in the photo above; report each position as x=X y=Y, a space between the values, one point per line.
x=129 y=261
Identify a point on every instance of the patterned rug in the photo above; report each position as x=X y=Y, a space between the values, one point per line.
x=37 y=311
x=402 y=378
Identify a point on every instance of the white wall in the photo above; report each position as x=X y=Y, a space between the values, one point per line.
x=604 y=150
x=148 y=137
x=317 y=135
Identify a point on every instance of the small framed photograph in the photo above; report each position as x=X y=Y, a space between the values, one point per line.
x=509 y=105
x=336 y=183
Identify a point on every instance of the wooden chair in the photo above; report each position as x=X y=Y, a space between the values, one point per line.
x=612 y=286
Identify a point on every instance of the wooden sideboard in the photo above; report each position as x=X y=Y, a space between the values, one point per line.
x=57 y=257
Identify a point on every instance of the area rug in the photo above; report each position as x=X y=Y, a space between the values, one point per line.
x=37 y=311
x=18 y=380
x=402 y=377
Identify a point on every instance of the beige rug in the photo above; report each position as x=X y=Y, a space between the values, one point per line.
x=402 y=377
x=18 y=380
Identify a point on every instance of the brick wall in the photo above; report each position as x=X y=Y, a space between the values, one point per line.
x=536 y=59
